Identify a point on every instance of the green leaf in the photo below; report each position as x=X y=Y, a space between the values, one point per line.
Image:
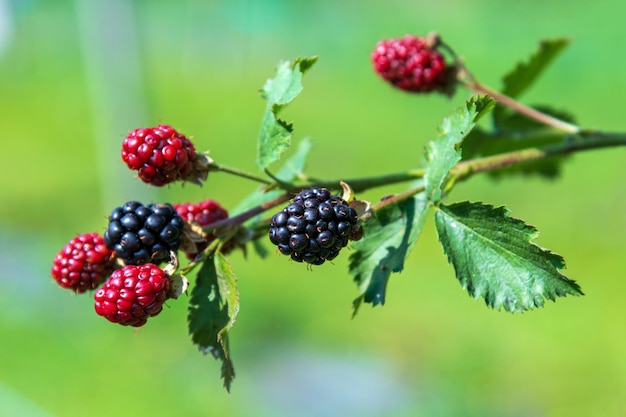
x=389 y=235
x=293 y=167
x=494 y=257
x=526 y=73
x=213 y=309
x=275 y=134
x=229 y=294
x=443 y=153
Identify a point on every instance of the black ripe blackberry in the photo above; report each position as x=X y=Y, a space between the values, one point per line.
x=144 y=234
x=313 y=227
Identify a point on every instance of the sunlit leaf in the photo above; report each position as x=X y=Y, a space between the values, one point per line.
x=275 y=134
x=443 y=153
x=494 y=257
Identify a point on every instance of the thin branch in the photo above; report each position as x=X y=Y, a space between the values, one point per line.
x=216 y=167
x=521 y=108
x=584 y=141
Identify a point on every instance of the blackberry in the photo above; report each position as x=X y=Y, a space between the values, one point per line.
x=132 y=294
x=160 y=154
x=203 y=213
x=412 y=64
x=140 y=234
x=314 y=227
x=83 y=263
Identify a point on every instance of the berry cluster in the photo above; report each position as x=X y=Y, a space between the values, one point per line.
x=140 y=234
x=160 y=154
x=411 y=64
x=133 y=294
x=83 y=263
x=314 y=227
x=204 y=213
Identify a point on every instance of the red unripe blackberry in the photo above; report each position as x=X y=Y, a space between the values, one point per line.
x=160 y=154
x=132 y=294
x=203 y=213
x=410 y=63
x=314 y=227
x=83 y=263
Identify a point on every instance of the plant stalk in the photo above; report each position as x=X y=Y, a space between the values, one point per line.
x=238 y=173
x=521 y=108
x=583 y=142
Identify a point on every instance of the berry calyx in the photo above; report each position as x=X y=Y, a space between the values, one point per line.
x=83 y=263
x=144 y=234
x=132 y=294
x=314 y=227
x=204 y=213
x=412 y=63
x=160 y=154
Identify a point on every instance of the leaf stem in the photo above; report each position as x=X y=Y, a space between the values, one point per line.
x=366 y=183
x=246 y=215
x=396 y=198
x=467 y=79
x=527 y=111
x=584 y=141
x=233 y=171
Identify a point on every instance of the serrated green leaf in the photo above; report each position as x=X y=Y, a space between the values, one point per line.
x=494 y=257
x=275 y=134
x=443 y=153
x=526 y=73
x=213 y=308
x=388 y=238
x=292 y=168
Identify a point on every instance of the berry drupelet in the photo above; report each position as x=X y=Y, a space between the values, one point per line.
x=314 y=227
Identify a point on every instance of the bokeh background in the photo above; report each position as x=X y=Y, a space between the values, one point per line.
x=75 y=76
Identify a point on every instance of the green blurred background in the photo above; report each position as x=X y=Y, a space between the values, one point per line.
x=75 y=76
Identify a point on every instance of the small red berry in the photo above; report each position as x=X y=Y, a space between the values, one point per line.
x=204 y=213
x=410 y=63
x=83 y=263
x=133 y=294
x=160 y=154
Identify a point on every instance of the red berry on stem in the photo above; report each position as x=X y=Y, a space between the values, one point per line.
x=204 y=213
x=83 y=263
x=133 y=294
x=411 y=64
x=160 y=154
